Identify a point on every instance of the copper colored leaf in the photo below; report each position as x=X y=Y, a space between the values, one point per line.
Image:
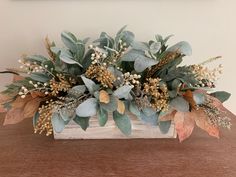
x=201 y=120
x=120 y=107
x=36 y=94
x=20 y=102
x=2 y=109
x=31 y=107
x=4 y=98
x=17 y=78
x=184 y=124
x=188 y=95
x=14 y=116
x=104 y=97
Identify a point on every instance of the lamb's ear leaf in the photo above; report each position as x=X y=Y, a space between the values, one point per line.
x=35 y=118
x=180 y=104
x=87 y=108
x=182 y=47
x=123 y=91
x=221 y=95
x=57 y=123
x=122 y=122
x=102 y=117
x=91 y=86
x=111 y=106
x=69 y=40
x=142 y=63
x=164 y=126
x=83 y=122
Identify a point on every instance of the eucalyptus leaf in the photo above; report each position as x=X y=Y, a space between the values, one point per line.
x=122 y=122
x=36 y=58
x=132 y=55
x=69 y=41
x=123 y=91
x=40 y=77
x=77 y=90
x=148 y=111
x=83 y=122
x=151 y=119
x=91 y=86
x=88 y=108
x=68 y=60
x=140 y=46
x=133 y=108
x=183 y=47
x=164 y=126
x=180 y=104
x=57 y=123
x=221 y=95
x=111 y=106
x=155 y=47
x=102 y=117
x=142 y=63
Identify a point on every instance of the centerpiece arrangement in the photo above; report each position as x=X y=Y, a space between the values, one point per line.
x=116 y=76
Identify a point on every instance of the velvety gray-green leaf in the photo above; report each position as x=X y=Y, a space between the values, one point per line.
x=164 y=126
x=142 y=63
x=57 y=123
x=221 y=95
x=91 y=86
x=123 y=91
x=88 y=108
x=180 y=104
x=83 y=122
x=102 y=117
x=122 y=122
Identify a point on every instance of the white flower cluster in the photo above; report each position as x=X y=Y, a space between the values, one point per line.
x=38 y=86
x=131 y=79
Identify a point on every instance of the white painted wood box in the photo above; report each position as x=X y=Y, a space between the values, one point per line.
x=110 y=131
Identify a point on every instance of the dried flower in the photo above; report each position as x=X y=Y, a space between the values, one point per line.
x=101 y=74
x=158 y=92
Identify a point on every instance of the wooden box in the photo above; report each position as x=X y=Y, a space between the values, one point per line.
x=110 y=131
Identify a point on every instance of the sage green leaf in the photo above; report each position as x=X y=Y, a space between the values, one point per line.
x=122 y=122
x=123 y=91
x=69 y=40
x=142 y=63
x=65 y=115
x=133 y=108
x=77 y=90
x=151 y=119
x=199 y=98
x=40 y=77
x=69 y=60
x=180 y=104
x=36 y=58
x=183 y=47
x=83 y=122
x=140 y=46
x=57 y=123
x=91 y=86
x=102 y=117
x=155 y=47
x=148 y=111
x=35 y=119
x=221 y=95
x=132 y=55
x=127 y=37
x=164 y=126
x=88 y=108
x=111 y=106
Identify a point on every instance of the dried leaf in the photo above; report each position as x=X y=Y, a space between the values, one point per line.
x=17 y=78
x=120 y=107
x=184 y=124
x=188 y=95
x=31 y=107
x=4 y=98
x=201 y=120
x=2 y=109
x=225 y=112
x=104 y=97
x=14 y=116
x=20 y=102
x=36 y=94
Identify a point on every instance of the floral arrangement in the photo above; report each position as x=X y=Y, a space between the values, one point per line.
x=116 y=75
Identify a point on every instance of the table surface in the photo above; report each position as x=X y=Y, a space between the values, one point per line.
x=24 y=154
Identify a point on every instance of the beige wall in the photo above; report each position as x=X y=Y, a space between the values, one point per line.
x=209 y=25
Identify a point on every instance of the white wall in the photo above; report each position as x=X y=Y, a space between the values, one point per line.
x=209 y=25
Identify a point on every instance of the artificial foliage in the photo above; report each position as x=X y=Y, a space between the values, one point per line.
x=116 y=76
